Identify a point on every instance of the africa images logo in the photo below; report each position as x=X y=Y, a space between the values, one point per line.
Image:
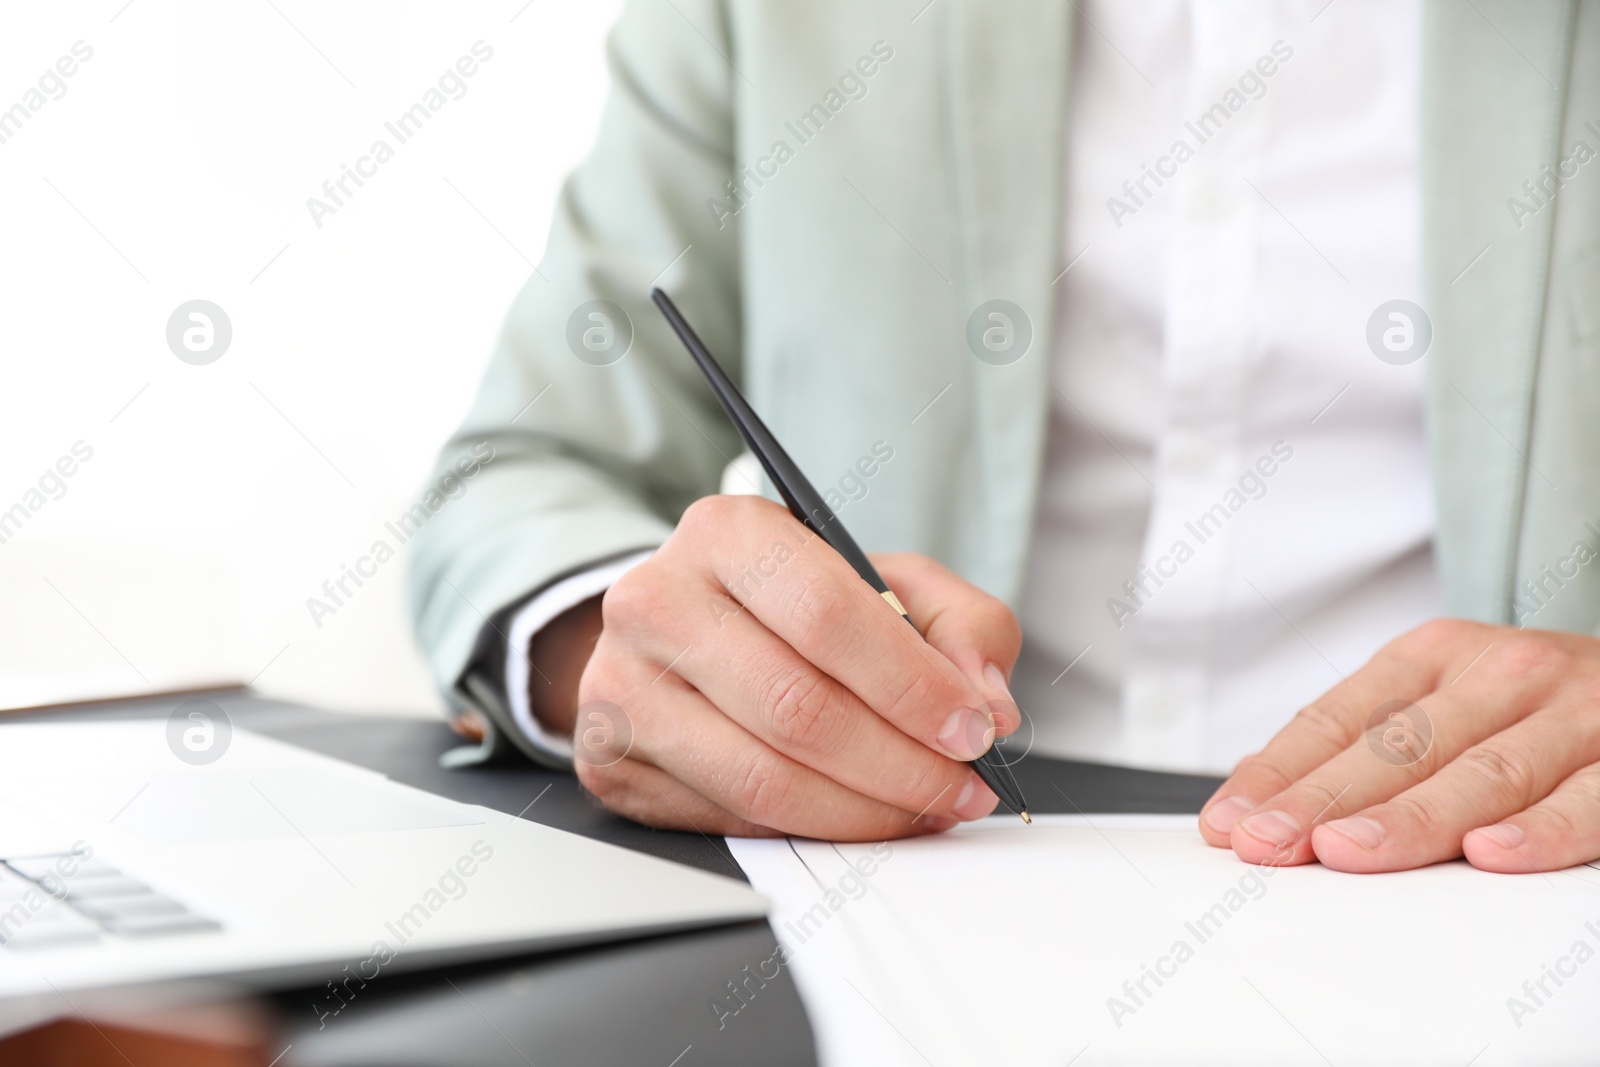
x=1399 y=733
x=199 y=732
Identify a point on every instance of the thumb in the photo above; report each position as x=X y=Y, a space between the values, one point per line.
x=970 y=628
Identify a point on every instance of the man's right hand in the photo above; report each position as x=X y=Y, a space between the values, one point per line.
x=746 y=681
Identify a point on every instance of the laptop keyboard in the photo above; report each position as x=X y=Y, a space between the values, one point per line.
x=61 y=899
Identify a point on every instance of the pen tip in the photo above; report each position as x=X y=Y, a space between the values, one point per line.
x=1026 y=817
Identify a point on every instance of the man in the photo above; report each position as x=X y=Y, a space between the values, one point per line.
x=1243 y=350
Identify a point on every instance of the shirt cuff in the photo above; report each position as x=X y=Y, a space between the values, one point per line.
x=534 y=616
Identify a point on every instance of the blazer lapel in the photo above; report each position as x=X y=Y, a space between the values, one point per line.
x=1006 y=102
x=1494 y=85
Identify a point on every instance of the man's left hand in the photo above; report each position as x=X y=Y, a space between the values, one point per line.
x=1458 y=738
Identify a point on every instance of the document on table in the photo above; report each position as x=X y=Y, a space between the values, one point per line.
x=1125 y=939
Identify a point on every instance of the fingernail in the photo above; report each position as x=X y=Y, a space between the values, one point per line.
x=1003 y=705
x=996 y=679
x=967 y=734
x=1368 y=833
x=1273 y=827
x=1505 y=835
x=940 y=823
x=1221 y=816
x=975 y=799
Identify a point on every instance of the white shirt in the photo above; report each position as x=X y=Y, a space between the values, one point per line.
x=1210 y=323
x=1222 y=325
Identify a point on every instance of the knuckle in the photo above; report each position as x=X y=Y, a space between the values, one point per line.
x=926 y=785
x=1438 y=633
x=1529 y=654
x=1573 y=813
x=1434 y=759
x=605 y=783
x=714 y=514
x=706 y=513
x=617 y=676
x=1563 y=823
x=1267 y=777
x=1508 y=774
x=638 y=597
x=761 y=793
x=819 y=613
x=1251 y=765
x=1585 y=785
x=1328 y=721
x=801 y=710
x=1421 y=810
x=924 y=694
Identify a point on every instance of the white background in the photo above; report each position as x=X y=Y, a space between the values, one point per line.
x=176 y=167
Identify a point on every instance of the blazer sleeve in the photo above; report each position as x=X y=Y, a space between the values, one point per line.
x=592 y=430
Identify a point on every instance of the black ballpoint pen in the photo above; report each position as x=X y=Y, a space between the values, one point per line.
x=809 y=507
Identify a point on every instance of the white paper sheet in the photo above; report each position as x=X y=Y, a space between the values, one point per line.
x=1125 y=939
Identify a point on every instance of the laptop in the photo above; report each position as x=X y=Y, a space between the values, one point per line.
x=123 y=861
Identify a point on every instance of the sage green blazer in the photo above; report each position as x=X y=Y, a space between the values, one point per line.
x=829 y=188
